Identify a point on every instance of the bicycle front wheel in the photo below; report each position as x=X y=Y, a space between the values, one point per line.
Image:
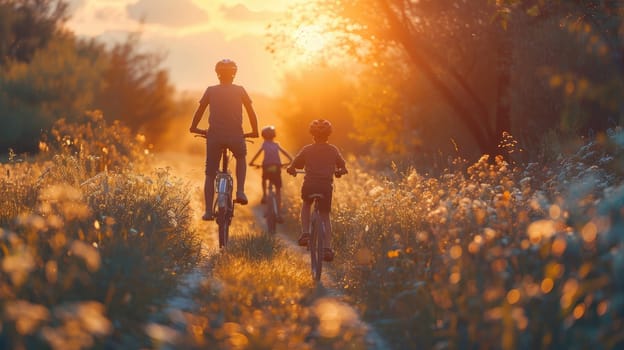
x=316 y=246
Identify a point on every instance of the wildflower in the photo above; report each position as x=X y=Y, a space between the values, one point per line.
x=393 y=254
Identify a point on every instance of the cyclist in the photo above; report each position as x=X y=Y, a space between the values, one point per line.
x=321 y=161
x=225 y=129
x=271 y=165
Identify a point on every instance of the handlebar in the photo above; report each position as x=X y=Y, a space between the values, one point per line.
x=259 y=166
x=204 y=136
x=338 y=173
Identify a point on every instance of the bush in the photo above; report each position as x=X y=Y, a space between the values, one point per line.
x=88 y=253
x=491 y=256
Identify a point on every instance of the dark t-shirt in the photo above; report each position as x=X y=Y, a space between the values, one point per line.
x=226 y=109
x=320 y=161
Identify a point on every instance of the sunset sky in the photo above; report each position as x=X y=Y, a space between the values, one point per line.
x=193 y=34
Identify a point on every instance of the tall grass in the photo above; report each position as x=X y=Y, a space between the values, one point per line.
x=87 y=252
x=259 y=294
x=491 y=256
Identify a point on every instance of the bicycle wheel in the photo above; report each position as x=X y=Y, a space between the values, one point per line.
x=316 y=245
x=271 y=213
x=224 y=218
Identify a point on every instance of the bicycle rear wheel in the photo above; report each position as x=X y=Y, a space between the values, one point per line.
x=271 y=213
x=224 y=219
x=316 y=245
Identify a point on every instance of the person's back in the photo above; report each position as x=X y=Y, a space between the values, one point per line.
x=321 y=162
x=225 y=110
x=271 y=151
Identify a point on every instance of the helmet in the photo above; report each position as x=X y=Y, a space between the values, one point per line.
x=268 y=132
x=226 y=66
x=320 y=127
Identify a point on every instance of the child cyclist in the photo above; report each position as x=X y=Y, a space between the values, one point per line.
x=271 y=165
x=225 y=129
x=321 y=162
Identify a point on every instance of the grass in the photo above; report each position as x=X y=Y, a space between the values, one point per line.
x=491 y=256
x=87 y=253
x=259 y=294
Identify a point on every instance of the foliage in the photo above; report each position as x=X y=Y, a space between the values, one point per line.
x=310 y=97
x=136 y=89
x=87 y=253
x=47 y=73
x=489 y=256
x=59 y=81
x=27 y=26
x=469 y=71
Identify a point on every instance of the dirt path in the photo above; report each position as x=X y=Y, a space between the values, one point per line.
x=326 y=296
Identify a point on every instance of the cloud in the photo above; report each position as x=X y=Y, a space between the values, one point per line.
x=193 y=58
x=75 y=5
x=240 y=12
x=168 y=13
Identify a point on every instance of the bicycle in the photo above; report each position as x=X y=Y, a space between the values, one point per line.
x=271 y=209
x=223 y=206
x=317 y=233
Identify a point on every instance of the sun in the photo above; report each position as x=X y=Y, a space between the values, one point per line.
x=309 y=40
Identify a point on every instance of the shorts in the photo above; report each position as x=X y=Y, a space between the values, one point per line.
x=325 y=189
x=214 y=146
x=272 y=173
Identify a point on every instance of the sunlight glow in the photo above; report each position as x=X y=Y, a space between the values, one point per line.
x=309 y=38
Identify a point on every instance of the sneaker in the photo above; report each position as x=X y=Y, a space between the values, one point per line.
x=208 y=216
x=328 y=254
x=241 y=198
x=304 y=239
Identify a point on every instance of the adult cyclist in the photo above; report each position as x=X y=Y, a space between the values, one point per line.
x=225 y=129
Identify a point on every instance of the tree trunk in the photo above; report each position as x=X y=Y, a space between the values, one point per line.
x=475 y=122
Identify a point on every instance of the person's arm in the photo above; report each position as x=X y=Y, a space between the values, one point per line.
x=197 y=117
x=297 y=163
x=255 y=156
x=251 y=114
x=341 y=165
x=284 y=152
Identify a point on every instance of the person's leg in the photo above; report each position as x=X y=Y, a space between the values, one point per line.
x=241 y=173
x=328 y=229
x=305 y=223
x=213 y=154
x=208 y=197
x=278 y=198
x=325 y=208
x=239 y=149
x=264 y=188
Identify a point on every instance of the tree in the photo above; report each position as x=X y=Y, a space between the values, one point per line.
x=594 y=85
x=28 y=25
x=135 y=90
x=465 y=56
x=315 y=93
x=58 y=82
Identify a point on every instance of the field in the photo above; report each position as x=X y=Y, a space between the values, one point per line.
x=101 y=249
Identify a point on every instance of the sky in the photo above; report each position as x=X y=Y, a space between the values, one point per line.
x=192 y=34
